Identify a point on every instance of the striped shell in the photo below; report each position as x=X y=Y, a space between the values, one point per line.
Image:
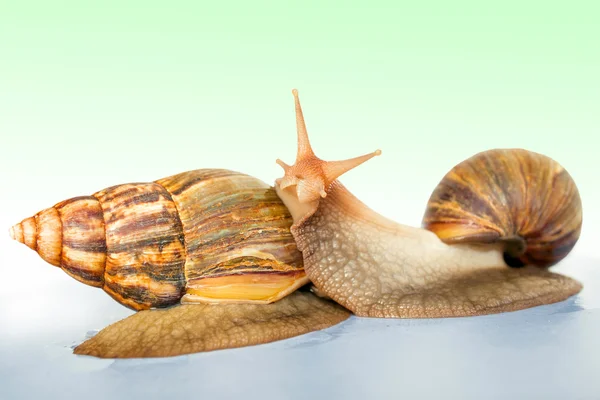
x=204 y=235
x=524 y=199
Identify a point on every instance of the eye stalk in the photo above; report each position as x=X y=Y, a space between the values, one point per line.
x=309 y=178
x=376 y=267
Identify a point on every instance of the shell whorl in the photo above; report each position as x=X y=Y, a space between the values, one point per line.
x=42 y=233
x=524 y=199
x=145 y=243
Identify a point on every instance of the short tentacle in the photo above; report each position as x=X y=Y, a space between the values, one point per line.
x=310 y=177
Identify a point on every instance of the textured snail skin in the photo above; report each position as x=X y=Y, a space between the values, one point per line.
x=213 y=236
x=196 y=328
x=191 y=237
x=376 y=267
x=523 y=199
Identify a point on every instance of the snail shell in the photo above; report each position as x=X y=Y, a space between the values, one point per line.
x=208 y=235
x=220 y=236
x=502 y=195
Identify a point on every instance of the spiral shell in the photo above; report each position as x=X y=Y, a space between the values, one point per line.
x=523 y=199
x=207 y=235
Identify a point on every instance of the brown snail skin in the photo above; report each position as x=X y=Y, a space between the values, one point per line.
x=213 y=259
x=501 y=205
x=173 y=250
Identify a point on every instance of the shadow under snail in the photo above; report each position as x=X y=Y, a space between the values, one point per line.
x=215 y=259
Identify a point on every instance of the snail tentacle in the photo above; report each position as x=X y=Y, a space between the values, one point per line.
x=379 y=268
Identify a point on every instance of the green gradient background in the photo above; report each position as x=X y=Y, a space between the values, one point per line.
x=98 y=93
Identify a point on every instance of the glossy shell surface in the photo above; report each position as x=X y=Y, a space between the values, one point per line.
x=522 y=198
x=210 y=235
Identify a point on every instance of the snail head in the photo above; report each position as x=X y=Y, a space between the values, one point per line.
x=308 y=180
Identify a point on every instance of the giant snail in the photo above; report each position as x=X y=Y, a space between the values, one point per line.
x=215 y=259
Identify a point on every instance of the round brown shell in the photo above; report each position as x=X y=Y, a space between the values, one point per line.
x=524 y=199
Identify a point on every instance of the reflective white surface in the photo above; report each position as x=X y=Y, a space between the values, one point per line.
x=549 y=352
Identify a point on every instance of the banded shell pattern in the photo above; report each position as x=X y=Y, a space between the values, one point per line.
x=502 y=195
x=208 y=235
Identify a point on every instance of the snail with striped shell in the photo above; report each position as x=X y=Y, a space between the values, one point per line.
x=216 y=259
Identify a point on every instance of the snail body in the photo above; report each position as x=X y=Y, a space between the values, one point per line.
x=487 y=214
x=209 y=235
x=226 y=258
